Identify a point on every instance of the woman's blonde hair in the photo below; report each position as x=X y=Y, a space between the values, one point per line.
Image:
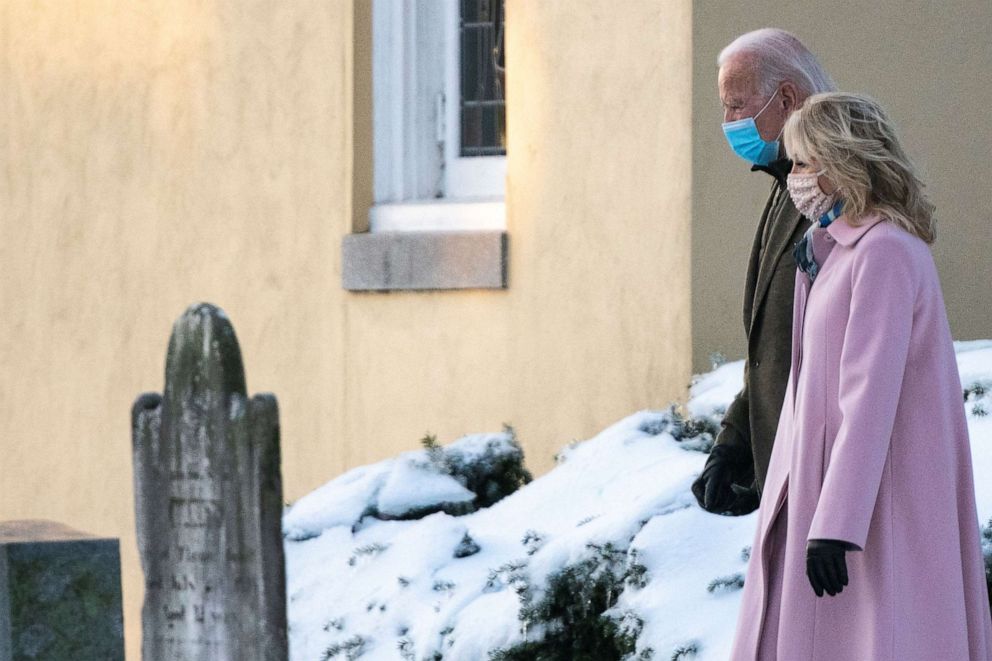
x=855 y=143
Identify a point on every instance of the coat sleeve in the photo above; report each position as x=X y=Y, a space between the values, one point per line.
x=884 y=282
x=735 y=427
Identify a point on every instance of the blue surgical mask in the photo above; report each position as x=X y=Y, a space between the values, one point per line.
x=747 y=143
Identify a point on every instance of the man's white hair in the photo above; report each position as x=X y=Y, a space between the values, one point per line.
x=779 y=56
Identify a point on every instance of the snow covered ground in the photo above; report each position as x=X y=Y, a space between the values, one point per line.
x=451 y=587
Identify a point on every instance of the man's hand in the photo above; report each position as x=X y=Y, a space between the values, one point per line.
x=713 y=487
x=747 y=499
x=826 y=566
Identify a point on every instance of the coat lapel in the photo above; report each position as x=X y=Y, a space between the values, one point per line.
x=779 y=238
x=754 y=259
x=798 y=317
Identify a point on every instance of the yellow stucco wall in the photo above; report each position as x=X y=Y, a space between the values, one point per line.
x=156 y=154
x=593 y=322
x=923 y=61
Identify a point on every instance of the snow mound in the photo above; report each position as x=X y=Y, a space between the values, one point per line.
x=613 y=528
x=474 y=471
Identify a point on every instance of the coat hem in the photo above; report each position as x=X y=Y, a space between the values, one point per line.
x=764 y=566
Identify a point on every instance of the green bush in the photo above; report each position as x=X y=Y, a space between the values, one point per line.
x=575 y=616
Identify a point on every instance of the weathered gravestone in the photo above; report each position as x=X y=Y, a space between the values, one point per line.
x=209 y=504
x=60 y=594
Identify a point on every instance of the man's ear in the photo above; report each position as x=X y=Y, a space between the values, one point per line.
x=790 y=98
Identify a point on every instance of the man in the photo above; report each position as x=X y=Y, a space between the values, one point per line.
x=764 y=76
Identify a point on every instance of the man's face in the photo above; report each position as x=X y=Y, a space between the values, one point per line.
x=741 y=99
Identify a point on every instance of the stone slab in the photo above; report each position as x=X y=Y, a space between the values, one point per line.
x=382 y=261
x=208 y=503
x=60 y=594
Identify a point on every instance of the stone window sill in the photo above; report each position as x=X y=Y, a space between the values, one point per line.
x=435 y=244
x=424 y=260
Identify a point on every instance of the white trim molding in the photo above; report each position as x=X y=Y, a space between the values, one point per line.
x=426 y=215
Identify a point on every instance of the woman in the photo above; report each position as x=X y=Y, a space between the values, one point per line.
x=867 y=546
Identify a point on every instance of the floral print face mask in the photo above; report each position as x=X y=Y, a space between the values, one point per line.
x=807 y=195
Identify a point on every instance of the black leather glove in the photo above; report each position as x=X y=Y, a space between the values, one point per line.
x=712 y=487
x=747 y=500
x=826 y=566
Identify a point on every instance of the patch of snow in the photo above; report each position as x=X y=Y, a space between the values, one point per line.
x=397 y=590
x=411 y=485
x=340 y=502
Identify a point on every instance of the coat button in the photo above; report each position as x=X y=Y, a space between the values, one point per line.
x=829 y=237
x=755 y=363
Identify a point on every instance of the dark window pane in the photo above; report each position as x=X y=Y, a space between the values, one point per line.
x=473 y=10
x=476 y=71
x=483 y=115
x=482 y=130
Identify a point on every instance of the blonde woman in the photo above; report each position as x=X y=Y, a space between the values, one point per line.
x=867 y=545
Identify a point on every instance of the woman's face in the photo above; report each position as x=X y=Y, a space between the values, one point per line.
x=800 y=167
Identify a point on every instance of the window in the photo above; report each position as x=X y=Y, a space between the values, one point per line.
x=481 y=71
x=439 y=125
x=437 y=220
x=475 y=152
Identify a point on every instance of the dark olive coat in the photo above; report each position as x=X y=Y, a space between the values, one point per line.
x=751 y=420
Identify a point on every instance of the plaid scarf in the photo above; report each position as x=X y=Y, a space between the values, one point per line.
x=803 y=252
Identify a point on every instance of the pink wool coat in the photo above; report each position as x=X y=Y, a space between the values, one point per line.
x=872 y=448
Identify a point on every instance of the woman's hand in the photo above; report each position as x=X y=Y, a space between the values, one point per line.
x=826 y=566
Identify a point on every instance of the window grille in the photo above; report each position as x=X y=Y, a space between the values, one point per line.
x=482 y=104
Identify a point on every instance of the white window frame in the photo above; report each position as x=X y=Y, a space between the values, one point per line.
x=420 y=181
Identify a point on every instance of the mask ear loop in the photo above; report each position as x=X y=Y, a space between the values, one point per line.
x=768 y=103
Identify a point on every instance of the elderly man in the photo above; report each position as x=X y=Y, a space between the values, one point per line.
x=763 y=76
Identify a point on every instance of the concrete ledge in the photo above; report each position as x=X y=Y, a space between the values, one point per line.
x=383 y=261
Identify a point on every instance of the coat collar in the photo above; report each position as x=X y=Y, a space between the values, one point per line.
x=846 y=234
x=779 y=168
